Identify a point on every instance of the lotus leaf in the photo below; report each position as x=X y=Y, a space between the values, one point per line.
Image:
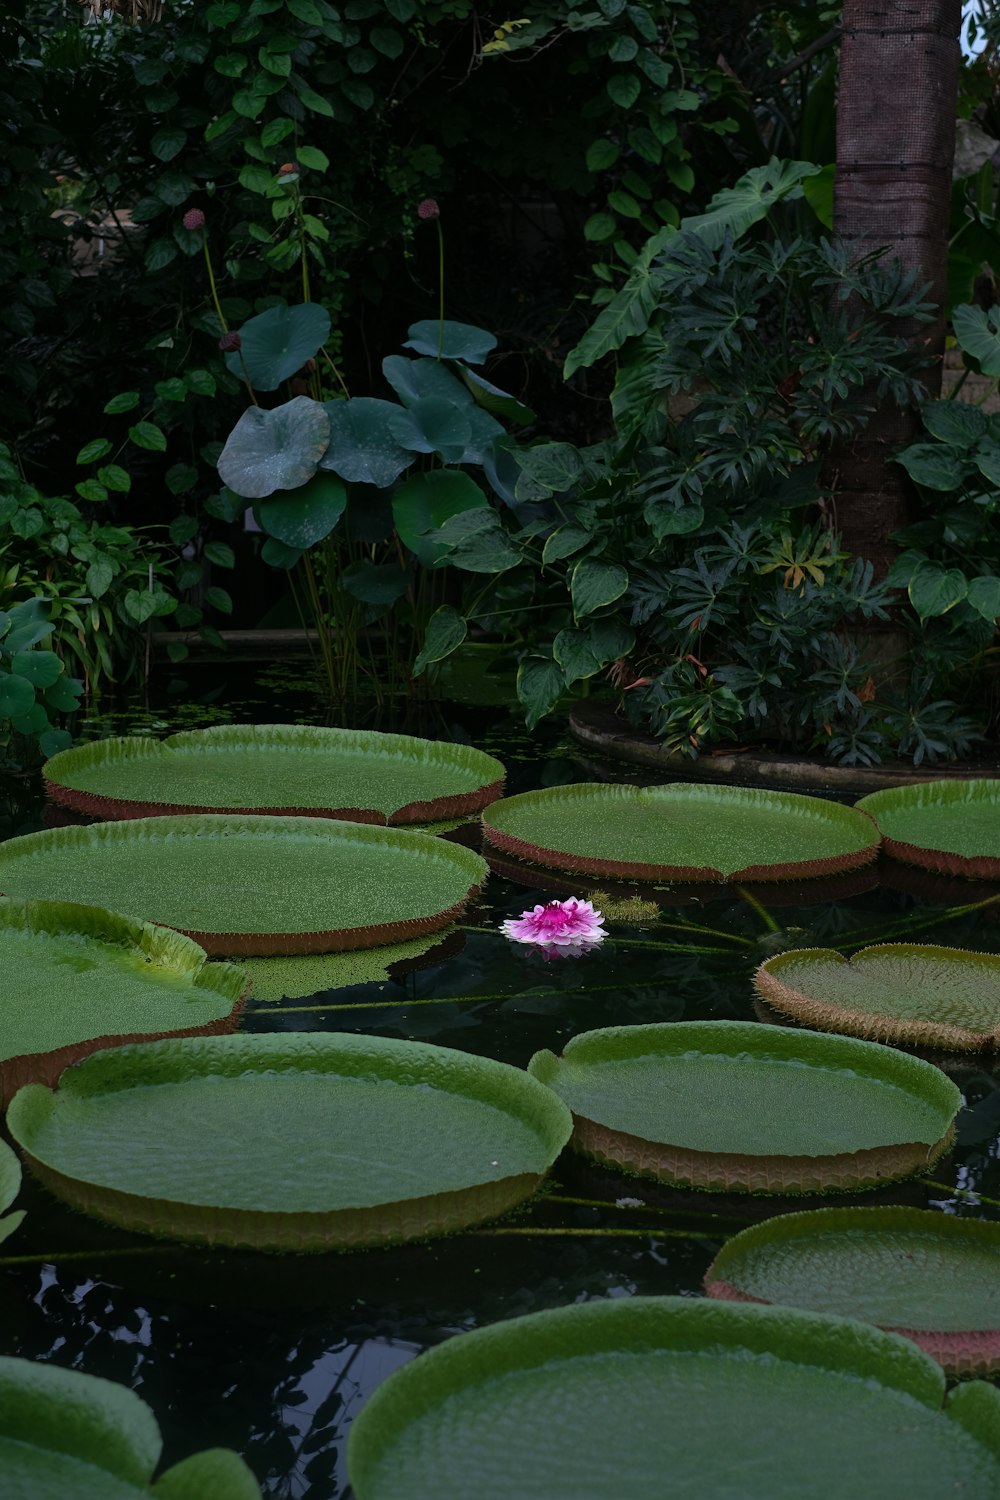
x=896 y=992
x=276 y=768
x=300 y=518
x=952 y=827
x=275 y=344
x=363 y=448
x=69 y=1436
x=77 y=978
x=10 y=1186
x=274 y=450
x=681 y=832
x=253 y=885
x=424 y=502
x=447 y=340
x=734 y=1105
x=647 y=1397
x=296 y=1142
x=930 y=1276
x=413 y=379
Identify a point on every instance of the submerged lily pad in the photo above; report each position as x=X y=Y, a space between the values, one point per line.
x=952 y=827
x=69 y=1436
x=10 y=1186
x=293 y=978
x=896 y=992
x=300 y=1142
x=76 y=978
x=290 y=769
x=649 y=1397
x=681 y=832
x=929 y=1276
x=252 y=885
x=733 y=1105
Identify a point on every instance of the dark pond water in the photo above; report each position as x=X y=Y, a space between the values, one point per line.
x=275 y=1356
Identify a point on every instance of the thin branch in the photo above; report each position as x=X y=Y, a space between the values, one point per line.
x=799 y=61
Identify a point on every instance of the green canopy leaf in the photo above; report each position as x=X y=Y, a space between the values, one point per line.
x=275 y=344
x=301 y=518
x=274 y=450
x=424 y=502
x=363 y=448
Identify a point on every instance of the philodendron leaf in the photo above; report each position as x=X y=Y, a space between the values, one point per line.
x=432 y=425
x=540 y=685
x=955 y=422
x=301 y=518
x=276 y=344
x=362 y=447
x=595 y=583
x=734 y=210
x=457 y=341
x=553 y=467
x=933 y=466
x=935 y=590
x=478 y=543
x=978 y=334
x=10 y=1186
x=984 y=597
x=572 y=650
x=275 y=450
x=446 y=630
x=424 y=502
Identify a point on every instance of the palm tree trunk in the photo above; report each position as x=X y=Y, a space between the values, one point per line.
x=899 y=63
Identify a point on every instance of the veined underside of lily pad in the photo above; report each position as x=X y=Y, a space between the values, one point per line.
x=78 y=978
x=929 y=1276
x=682 y=831
x=647 y=1397
x=910 y=993
x=951 y=827
x=253 y=885
x=69 y=1436
x=736 y=1106
x=301 y=1142
x=290 y=770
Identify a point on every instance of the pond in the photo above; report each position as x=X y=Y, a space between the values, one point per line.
x=275 y=1356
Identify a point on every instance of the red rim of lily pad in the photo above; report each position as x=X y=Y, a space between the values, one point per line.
x=80 y=759
x=880 y=806
x=961 y=1352
x=527 y=806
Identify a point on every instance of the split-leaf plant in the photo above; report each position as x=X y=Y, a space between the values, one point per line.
x=693 y=556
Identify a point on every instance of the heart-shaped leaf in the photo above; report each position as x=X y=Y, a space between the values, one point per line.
x=275 y=450
x=276 y=344
x=363 y=448
x=302 y=517
x=425 y=501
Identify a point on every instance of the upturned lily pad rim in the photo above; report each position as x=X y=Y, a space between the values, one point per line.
x=920 y=794
x=248 y=942
x=641 y=1324
x=144 y=1065
x=107 y=1427
x=61 y=768
x=727 y=1171
x=604 y=796
x=959 y=1352
x=873 y=1025
x=159 y=946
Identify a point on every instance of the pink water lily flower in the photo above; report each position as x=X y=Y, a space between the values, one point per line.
x=565 y=925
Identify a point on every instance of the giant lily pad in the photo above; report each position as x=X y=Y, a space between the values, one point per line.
x=952 y=827
x=10 y=1186
x=650 y=1397
x=249 y=885
x=69 y=1436
x=732 y=1105
x=896 y=992
x=303 y=1142
x=929 y=1276
x=76 y=978
x=276 y=768
x=682 y=832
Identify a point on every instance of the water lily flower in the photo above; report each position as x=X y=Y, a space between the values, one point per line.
x=569 y=926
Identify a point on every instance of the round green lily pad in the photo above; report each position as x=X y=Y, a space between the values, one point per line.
x=912 y=993
x=930 y=1276
x=952 y=827
x=290 y=769
x=290 y=1142
x=734 y=1105
x=76 y=978
x=681 y=832
x=69 y=1436
x=253 y=885
x=654 y=1397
